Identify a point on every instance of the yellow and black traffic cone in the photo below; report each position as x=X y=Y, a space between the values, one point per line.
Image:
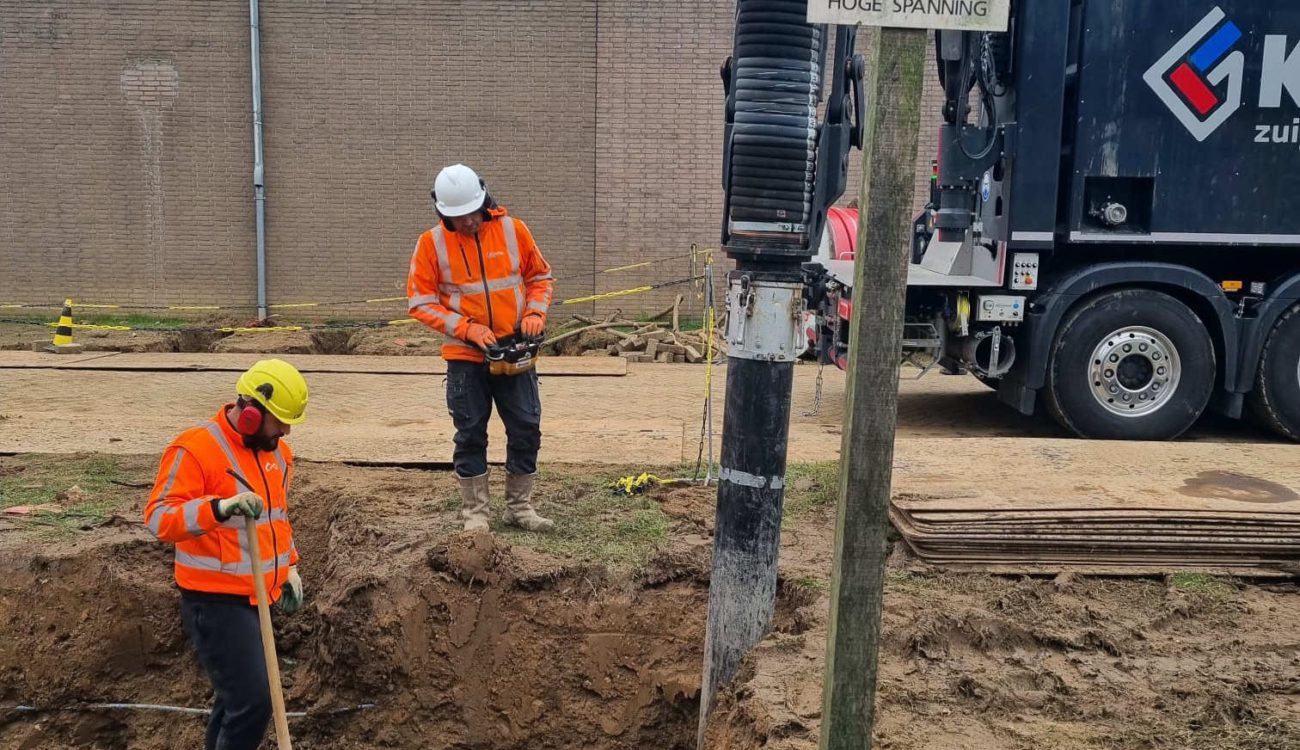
x=63 y=343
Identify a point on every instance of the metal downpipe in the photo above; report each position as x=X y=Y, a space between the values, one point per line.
x=259 y=184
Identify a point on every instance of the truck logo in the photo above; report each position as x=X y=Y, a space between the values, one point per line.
x=1190 y=78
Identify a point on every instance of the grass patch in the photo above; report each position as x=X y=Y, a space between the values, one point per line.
x=134 y=320
x=1202 y=585
x=593 y=524
x=47 y=482
x=905 y=581
x=810 y=486
x=812 y=584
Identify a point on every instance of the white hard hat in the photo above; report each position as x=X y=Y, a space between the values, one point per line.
x=458 y=191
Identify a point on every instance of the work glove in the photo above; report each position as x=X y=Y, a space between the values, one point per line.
x=480 y=336
x=245 y=504
x=291 y=593
x=532 y=326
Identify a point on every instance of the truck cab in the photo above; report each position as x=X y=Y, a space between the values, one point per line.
x=1110 y=235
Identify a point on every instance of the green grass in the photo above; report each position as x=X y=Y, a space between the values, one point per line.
x=593 y=524
x=812 y=584
x=810 y=487
x=42 y=483
x=1202 y=585
x=134 y=320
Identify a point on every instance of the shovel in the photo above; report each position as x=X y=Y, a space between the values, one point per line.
x=268 y=638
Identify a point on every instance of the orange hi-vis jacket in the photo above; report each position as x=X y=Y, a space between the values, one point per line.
x=494 y=278
x=207 y=464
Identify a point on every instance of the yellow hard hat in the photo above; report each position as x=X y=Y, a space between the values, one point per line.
x=277 y=386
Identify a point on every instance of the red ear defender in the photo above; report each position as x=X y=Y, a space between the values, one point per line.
x=249 y=420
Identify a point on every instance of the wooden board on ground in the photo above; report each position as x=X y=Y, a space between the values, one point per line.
x=307 y=363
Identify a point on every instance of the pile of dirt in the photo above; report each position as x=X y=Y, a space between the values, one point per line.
x=458 y=640
x=987 y=663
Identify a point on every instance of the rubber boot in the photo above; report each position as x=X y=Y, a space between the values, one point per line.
x=519 y=504
x=474 y=496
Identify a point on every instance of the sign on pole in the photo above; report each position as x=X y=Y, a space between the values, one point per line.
x=964 y=15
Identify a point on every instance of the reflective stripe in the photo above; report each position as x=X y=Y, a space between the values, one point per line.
x=191 y=514
x=230 y=456
x=155 y=521
x=547 y=276
x=199 y=562
x=537 y=305
x=440 y=249
x=214 y=565
x=444 y=264
x=423 y=299
x=512 y=243
x=519 y=303
x=279 y=459
x=471 y=288
x=450 y=320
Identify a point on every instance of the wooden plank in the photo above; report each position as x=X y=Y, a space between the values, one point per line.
x=1076 y=504
x=307 y=363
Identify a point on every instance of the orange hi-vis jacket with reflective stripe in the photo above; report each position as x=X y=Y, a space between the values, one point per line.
x=207 y=464
x=494 y=278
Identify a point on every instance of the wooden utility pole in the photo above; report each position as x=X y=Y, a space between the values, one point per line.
x=896 y=73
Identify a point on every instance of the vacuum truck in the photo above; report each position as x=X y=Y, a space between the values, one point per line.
x=1110 y=234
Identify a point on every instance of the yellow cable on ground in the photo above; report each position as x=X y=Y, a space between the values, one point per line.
x=636 y=484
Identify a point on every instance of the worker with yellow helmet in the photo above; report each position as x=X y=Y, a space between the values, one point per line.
x=236 y=465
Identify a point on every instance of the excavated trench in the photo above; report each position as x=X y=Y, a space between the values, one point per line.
x=459 y=643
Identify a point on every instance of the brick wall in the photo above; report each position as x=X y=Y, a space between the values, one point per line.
x=125 y=142
x=124 y=151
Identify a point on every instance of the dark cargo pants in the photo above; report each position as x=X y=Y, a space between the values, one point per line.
x=228 y=638
x=471 y=391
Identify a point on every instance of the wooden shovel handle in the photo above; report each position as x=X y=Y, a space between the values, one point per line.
x=268 y=637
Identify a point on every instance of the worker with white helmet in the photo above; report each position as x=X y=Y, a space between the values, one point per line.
x=478 y=278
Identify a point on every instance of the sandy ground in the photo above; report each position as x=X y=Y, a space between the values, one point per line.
x=652 y=415
x=592 y=638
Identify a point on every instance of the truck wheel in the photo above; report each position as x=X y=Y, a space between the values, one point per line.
x=1276 y=398
x=1131 y=365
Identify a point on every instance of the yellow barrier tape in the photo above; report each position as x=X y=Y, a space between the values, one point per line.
x=403 y=322
x=608 y=295
x=11 y=307
x=95 y=307
x=268 y=329
x=294 y=305
x=90 y=327
x=629 y=268
x=194 y=307
x=386 y=299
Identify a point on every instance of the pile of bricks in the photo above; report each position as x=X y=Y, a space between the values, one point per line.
x=652 y=343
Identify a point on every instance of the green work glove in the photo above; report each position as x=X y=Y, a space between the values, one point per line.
x=291 y=594
x=245 y=504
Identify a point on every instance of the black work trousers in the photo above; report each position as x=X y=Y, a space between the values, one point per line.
x=226 y=634
x=471 y=391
